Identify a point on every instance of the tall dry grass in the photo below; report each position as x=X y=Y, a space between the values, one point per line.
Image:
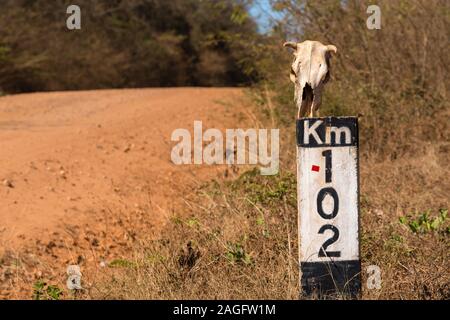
x=237 y=239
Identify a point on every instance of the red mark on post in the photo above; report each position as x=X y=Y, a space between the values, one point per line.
x=315 y=168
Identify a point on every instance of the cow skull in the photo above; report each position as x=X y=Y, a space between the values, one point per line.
x=310 y=71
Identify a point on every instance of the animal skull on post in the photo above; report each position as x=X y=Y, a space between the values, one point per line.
x=310 y=71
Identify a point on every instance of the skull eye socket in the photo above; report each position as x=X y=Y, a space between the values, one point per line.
x=293 y=72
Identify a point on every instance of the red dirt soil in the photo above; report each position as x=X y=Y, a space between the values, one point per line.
x=86 y=174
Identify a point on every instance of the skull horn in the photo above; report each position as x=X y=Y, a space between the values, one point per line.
x=290 y=44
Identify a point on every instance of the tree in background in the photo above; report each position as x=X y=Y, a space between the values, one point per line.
x=392 y=76
x=133 y=43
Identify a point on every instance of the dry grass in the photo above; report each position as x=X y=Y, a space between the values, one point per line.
x=222 y=247
x=238 y=239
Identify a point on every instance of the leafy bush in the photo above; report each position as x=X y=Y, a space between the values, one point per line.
x=134 y=43
x=423 y=222
x=44 y=291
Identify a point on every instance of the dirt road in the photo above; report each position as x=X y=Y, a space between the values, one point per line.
x=85 y=174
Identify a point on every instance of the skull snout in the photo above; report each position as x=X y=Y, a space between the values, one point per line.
x=308 y=92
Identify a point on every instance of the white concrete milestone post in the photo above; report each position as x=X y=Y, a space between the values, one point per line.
x=328 y=192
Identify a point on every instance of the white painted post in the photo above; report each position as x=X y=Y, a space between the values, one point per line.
x=328 y=192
